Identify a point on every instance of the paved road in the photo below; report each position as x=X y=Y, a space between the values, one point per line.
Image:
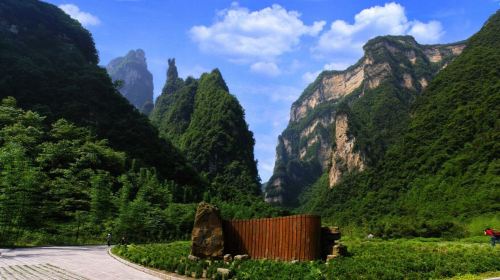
x=68 y=263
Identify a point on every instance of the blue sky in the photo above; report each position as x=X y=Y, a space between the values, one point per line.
x=267 y=51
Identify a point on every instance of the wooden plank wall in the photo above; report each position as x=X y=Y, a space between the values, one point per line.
x=285 y=238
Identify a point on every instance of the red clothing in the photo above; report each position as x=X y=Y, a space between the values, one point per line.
x=489 y=232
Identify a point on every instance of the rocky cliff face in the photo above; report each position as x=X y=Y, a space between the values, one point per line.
x=368 y=101
x=137 y=81
x=444 y=160
x=344 y=157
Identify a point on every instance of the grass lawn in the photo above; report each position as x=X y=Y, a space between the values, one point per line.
x=471 y=258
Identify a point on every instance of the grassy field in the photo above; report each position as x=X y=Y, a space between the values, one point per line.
x=471 y=258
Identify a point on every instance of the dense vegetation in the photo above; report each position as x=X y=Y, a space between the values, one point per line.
x=59 y=183
x=77 y=160
x=443 y=171
x=207 y=123
x=376 y=259
x=377 y=116
x=49 y=64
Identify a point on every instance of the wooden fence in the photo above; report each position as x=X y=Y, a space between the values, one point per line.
x=285 y=238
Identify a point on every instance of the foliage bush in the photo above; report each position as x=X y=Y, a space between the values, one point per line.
x=60 y=184
x=373 y=259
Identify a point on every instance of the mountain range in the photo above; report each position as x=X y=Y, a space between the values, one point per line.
x=405 y=142
x=402 y=143
x=345 y=120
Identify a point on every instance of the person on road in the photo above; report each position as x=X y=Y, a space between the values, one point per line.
x=495 y=236
x=108 y=239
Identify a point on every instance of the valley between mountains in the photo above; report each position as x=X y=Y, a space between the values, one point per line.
x=402 y=144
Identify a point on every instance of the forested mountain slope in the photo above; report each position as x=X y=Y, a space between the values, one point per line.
x=49 y=64
x=77 y=160
x=345 y=120
x=207 y=123
x=445 y=167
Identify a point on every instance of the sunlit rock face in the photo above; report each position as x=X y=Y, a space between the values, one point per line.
x=320 y=137
x=344 y=157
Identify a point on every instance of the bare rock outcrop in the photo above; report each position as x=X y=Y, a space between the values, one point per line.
x=333 y=87
x=207 y=237
x=137 y=81
x=317 y=139
x=436 y=53
x=344 y=158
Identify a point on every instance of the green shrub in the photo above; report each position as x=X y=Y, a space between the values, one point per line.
x=418 y=258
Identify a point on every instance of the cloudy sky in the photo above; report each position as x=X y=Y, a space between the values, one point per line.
x=267 y=51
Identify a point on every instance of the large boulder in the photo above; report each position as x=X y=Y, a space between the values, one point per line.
x=207 y=237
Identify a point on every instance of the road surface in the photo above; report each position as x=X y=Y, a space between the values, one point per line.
x=69 y=263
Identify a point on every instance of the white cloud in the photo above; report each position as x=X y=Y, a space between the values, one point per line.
x=336 y=66
x=252 y=37
x=426 y=32
x=86 y=19
x=389 y=19
x=266 y=68
x=309 y=77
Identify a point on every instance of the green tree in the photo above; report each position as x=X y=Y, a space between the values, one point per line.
x=21 y=189
x=173 y=81
x=52 y=67
x=100 y=196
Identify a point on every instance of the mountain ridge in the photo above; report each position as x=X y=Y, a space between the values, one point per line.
x=52 y=69
x=397 y=67
x=442 y=174
x=207 y=123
